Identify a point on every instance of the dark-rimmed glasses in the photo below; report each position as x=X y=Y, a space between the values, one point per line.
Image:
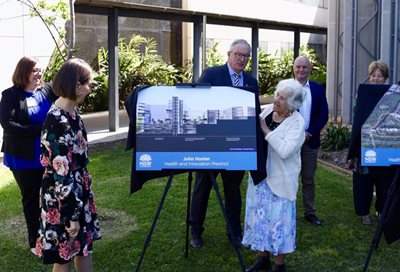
x=241 y=56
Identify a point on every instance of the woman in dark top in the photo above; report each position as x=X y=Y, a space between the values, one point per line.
x=23 y=108
x=366 y=178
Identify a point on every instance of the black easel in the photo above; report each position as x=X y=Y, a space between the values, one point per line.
x=215 y=185
x=153 y=224
x=379 y=228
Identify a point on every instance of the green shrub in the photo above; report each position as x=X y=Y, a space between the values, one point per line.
x=139 y=64
x=55 y=63
x=214 y=56
x=335 y=137
x=273 y=68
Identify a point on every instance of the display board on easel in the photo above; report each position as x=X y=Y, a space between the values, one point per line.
x=195 y=128
x=380 y=134
x=176 y=129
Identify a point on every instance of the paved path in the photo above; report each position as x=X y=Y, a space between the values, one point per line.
x=96 y=125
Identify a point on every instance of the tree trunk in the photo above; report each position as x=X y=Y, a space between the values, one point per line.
x=71 y=40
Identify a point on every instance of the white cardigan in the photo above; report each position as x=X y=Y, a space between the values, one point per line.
x=283 y=159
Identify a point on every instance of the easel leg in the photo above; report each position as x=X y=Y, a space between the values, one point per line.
x=189 y=193
x=216 y=188
x=379 y=228
x=153 y=224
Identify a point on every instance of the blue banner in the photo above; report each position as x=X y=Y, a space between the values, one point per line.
x=150 y=161
x=380 y=156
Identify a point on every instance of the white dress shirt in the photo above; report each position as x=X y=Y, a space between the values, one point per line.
x=305 y=109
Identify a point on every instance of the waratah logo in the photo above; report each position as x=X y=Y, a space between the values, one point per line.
x=370 y=156
x=145 y=160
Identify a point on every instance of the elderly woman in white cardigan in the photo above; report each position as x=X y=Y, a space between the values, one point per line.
x=270 y=221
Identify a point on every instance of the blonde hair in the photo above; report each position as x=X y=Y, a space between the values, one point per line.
x=378 y=65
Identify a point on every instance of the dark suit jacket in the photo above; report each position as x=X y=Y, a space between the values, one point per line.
x=219 y=76
x=319 y=113
x=19 y=134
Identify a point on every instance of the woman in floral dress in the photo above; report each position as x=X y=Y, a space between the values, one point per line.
x=68 y=222
x=270 y=220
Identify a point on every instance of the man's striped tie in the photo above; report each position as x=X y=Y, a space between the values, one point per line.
x=236 y=81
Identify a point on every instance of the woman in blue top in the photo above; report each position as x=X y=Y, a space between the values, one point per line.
x=23 y=108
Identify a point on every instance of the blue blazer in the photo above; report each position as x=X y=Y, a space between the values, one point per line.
x=319 y=113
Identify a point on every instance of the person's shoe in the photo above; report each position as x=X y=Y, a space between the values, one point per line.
x=196 y=240
x=262 y=263
x=313 y=219
x=236 y=240
x=366 y=220
x=279 y=268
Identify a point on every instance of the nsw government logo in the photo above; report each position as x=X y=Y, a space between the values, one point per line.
x=370 y=156
x=145 y=160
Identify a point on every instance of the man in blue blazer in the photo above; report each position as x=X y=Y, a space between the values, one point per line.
x=315 y=113
x=230 y=74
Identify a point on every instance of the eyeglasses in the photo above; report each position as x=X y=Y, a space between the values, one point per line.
x=241 y=56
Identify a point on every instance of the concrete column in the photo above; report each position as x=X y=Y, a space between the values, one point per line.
x=395 y=56
x=197 y=30
x=333 y=56
x=113 y=83
x=254 y=50
x=347 y=69
x=386 y=35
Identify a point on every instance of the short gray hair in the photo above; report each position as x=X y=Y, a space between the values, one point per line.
x=294 y=92
x=239 y=41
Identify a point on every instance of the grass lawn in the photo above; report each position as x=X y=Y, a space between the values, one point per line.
x=341 y=244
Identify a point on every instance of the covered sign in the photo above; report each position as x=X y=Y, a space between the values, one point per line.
x=380 y=133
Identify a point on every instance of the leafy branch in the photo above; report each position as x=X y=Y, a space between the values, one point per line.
x=60 y=8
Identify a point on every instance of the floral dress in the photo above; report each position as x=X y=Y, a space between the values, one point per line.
x=270 y=220
x=66 y=193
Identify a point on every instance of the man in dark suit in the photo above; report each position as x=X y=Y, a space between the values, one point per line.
x=230 y=74
x=315 y=113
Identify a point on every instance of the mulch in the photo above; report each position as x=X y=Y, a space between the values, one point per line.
x=336 y=160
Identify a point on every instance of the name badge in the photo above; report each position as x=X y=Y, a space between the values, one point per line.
x=31 y=102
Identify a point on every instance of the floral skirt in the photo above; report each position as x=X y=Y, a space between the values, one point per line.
x=60 y=204
x=270 y=220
